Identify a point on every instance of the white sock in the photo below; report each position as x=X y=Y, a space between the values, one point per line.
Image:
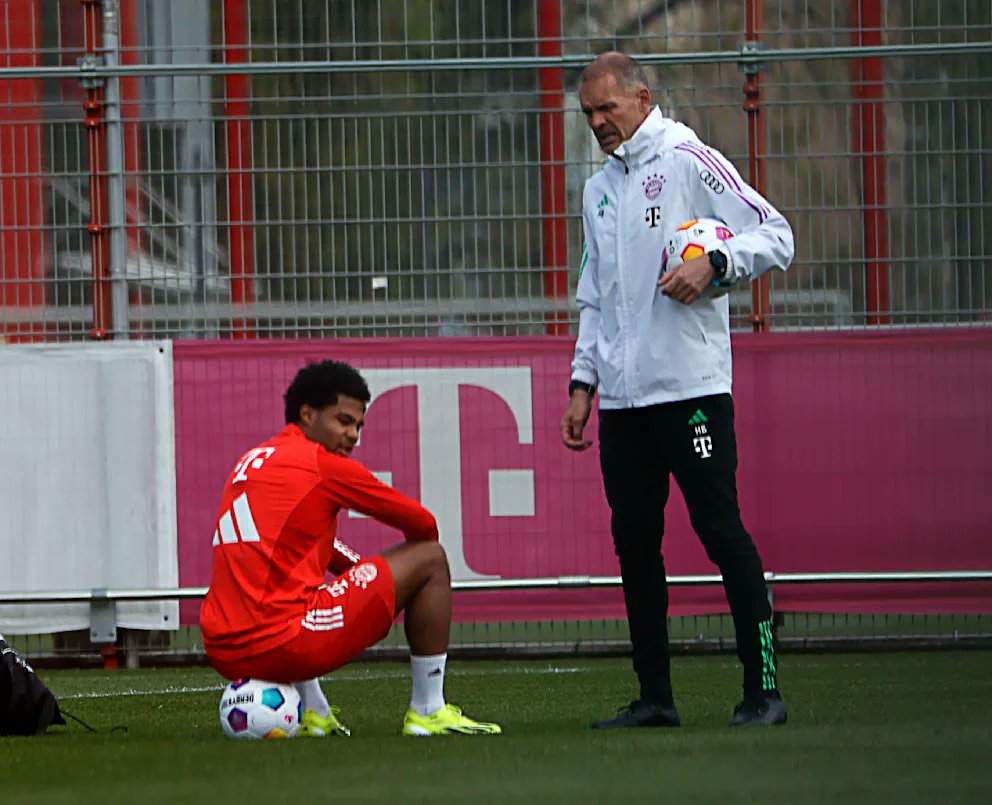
x=313 y=697
x=428 y=683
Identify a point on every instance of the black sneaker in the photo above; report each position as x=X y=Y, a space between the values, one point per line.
x=641 y=714
x=762 y=711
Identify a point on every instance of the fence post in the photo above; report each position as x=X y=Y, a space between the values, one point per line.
x=237 y=139
x=868 y=143
x=554 y=223
x=752 y=67
x=96 y=152
x=770 y=592
x=116 y=204
x=103 y=626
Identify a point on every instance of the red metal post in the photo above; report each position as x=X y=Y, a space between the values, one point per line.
x=131 y=121
x=23 y=260
x=131 y=136
x=868 y=141
x=237 y=132
x=96 y=147
x=756 y=146
x=553 y=221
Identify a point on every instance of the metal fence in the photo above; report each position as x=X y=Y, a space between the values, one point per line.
x=406 y=167
x=106 y=644
x=697 y=634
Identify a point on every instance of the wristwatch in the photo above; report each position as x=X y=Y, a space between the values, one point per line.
x=719 y=262
x=588 y=388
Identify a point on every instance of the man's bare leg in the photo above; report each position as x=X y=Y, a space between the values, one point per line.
x=422 y=583
x=423 y=590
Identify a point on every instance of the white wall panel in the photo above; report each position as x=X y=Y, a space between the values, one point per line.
x=87 y=479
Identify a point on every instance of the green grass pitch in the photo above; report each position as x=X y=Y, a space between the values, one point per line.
x=867 y=728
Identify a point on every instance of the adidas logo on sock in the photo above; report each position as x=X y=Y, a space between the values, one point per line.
x=435 y=672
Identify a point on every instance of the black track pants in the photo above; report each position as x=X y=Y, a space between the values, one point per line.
x=694 y=441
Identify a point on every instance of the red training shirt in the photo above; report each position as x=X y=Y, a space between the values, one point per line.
x=274 y=538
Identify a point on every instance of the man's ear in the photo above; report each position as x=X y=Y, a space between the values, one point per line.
x=307 y=415
x=644 y=99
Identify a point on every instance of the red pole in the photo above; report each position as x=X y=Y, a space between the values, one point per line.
x=97 y=152
x=868 y=140
x=237 y=132
x=22 y=195
x=760 y=296
x=130 y=98
x=554 y=225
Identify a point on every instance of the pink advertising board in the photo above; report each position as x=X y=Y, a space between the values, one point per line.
x=857 y=453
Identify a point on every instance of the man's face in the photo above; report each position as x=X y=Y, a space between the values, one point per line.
x=613 y=114
x=336 y=427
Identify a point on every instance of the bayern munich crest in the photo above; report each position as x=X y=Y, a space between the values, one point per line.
x=363 y=575
x=653 y=186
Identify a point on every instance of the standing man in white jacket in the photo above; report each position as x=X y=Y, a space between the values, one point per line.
x=658 y=353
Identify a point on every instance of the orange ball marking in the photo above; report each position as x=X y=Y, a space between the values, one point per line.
x=691 y=251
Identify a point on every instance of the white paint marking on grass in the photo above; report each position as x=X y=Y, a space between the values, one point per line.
x=360 y=676
x=156 y=692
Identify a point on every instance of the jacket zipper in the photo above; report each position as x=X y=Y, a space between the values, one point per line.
x=621 y=279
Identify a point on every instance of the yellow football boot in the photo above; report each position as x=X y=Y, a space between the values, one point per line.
x=448 y=720
x=314 y=726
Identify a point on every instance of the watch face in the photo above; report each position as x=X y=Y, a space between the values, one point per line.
x=719 y=262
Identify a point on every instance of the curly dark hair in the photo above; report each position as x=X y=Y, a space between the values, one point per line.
x=319 y=384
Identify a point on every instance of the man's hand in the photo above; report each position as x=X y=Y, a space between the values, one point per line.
x=574 y=421
x=686 y=283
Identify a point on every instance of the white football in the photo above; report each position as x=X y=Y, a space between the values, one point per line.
x=254 y=708
x=694 y=239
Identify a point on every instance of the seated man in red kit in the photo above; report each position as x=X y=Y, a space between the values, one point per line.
x=268 y=613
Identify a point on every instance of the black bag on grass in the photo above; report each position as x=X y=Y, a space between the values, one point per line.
x=27 y=707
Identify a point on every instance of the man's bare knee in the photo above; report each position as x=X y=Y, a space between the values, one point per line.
x=436 y=559
x=416 y=558
x=414 y=565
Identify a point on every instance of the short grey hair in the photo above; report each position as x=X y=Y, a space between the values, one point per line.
x=627 y=72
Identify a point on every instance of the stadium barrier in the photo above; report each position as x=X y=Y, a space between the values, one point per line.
x=849 y=451
x=851 y=447
x=103 y=631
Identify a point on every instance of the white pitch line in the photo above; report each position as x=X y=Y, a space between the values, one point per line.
x=158 y=692
x=352 y=677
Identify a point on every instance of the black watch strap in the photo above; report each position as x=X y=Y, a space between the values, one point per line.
x=719 y=262
x=588 y=388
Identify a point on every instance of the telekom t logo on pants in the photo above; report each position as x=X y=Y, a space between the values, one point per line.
x=511 y=492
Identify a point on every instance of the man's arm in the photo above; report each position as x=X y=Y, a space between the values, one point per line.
x=762 y=237
x=584 y=377
x=352 y=486
x=587 y=296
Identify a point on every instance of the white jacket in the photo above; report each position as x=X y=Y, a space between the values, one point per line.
x=636 y=345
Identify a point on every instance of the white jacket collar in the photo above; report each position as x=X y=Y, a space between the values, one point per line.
x=656 y=131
